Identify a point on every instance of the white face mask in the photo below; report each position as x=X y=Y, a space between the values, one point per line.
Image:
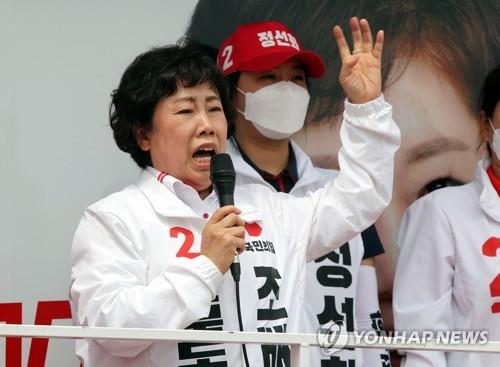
x=278 y=110
x=495 y=144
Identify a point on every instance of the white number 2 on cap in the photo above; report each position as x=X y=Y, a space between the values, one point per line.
x=226 y=54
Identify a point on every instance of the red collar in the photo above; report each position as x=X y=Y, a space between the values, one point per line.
x=494 y=179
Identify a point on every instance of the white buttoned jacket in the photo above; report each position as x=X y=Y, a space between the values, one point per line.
x=135 y=260
x=449 y=268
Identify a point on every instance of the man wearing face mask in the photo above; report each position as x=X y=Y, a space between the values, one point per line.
x=268 y=72
x=456 y=258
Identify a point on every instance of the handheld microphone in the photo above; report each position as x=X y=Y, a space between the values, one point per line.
x=223 y=179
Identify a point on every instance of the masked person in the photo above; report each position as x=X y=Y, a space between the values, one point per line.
x=268 y=72
x=447 y=276
x=435 y=60
x=156 y=254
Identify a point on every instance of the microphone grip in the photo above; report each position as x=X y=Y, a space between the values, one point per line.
x=226 y=199
x=235 y=267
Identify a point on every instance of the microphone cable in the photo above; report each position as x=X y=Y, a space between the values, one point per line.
x=240 y=322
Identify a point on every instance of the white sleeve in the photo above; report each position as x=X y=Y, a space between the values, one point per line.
x=110 y=287
x=329 y=217
x=368 y=315
x=424 y=276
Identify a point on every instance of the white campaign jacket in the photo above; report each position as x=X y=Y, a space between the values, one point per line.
x=331 y=281
x=447 y=266
x=136 y=262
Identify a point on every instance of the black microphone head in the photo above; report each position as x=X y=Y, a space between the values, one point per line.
x=223 y=178
x=221 y=164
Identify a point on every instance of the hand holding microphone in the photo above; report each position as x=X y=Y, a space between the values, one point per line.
x=224 y=234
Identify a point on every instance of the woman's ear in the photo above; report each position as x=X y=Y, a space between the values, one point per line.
x=142 y=137
x=485 y=126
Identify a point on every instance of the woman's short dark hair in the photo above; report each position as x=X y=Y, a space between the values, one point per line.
x=154 y=75
x=490 y=92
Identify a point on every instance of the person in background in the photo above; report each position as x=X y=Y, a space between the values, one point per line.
x=447 y=276
x=156 y=254
x=436 y=55
x=268 y=73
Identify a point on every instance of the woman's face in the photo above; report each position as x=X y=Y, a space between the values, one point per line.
x=440 y=137
x=189 y=127
x=290 y=70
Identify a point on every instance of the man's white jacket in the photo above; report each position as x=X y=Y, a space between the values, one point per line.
x=136 y=262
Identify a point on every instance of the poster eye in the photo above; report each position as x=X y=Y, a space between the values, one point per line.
x=439 y=184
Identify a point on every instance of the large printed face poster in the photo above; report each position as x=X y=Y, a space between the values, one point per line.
x=436 y=55
x=58 y=156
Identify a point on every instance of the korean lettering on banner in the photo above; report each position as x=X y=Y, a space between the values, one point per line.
x=205 y=354
x=200 y=354
x=273 y=355
x=335 y=273
x=279 y=38
x=46 y=313
x=377 y=322
x=378 y=326
x=336 y=361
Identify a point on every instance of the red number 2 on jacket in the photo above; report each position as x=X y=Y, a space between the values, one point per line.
x=185 y=249
x=490 y=248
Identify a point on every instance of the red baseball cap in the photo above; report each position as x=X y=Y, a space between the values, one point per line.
x=258 y=47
